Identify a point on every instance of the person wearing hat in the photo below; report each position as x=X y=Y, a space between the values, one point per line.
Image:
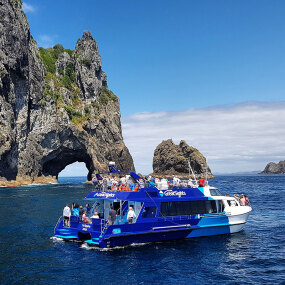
x=201 y=182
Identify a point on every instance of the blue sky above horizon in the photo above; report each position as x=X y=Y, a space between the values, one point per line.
x=164 y=56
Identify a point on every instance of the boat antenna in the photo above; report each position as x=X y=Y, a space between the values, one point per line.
x=190 y=169
x=206 y=169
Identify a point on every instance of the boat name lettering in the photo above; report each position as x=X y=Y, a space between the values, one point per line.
x=174 y=193
x=104 y=194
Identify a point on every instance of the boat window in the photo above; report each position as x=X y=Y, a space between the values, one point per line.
x=220 y=206
x=183 y=208
x=216 y=192
x=149 y=212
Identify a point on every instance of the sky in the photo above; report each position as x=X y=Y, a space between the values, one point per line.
x=186 y=69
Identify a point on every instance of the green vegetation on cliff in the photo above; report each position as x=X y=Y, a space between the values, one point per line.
x=60 y=76
x=106 y=95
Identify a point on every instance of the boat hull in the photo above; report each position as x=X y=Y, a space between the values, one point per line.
x=120 y=235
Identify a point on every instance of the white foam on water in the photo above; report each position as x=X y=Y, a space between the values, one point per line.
x=56 y=238
x=88 y=247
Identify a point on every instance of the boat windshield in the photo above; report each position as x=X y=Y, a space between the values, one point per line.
x=215 y=192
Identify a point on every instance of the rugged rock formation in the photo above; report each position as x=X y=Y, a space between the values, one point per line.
x=274 y=168
x=55 y=106
x=170 y=159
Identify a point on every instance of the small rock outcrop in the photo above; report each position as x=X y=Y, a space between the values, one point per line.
x=171 y=159
x=55 y=106
x=274 y=168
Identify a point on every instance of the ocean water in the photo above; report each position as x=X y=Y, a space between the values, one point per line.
x=28 y=254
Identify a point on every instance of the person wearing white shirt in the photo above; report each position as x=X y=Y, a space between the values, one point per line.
x=95 y=216
x=66 y=216
x=131 y=215
x=123 y=180
x=190 y=183
x=176 y=181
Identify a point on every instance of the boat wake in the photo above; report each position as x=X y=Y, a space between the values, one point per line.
x=88 y=247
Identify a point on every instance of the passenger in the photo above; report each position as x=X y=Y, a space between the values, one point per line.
x=105 y=183
x=81 y=211
x=99 y=210
x=242 y=200
x=112 y=216
x=227 y=195
x=164 y=183
x=95 y=216
x=109 y=183
x=95 y=181
x=66 y=216
x=201 y=182
x=190 y=183
x=151 y=184
x=123 y=180
x=85 y=218
x=176 y=181
x=87 y=208
x=236 y=196
x=130 y=182
x=246 y=200
x=131 y=215
x=75 y=210
x=141 y=183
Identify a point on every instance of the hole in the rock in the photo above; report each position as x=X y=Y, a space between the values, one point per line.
x=76 y=169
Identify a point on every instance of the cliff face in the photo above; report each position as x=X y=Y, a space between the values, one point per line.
x=55 y=106
x=171 y=159
x=274 y=168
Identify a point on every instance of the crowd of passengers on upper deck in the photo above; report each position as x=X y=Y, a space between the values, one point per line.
x=127 y=183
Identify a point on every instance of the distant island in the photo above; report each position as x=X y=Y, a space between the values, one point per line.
x=274 y=168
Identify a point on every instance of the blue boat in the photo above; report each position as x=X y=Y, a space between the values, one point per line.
x=162 y=213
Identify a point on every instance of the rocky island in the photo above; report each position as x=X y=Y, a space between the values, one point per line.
x=171 y=159
x=55 y=106
x=274 y=168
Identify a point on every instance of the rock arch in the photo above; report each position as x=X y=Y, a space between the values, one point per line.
x=57 y=160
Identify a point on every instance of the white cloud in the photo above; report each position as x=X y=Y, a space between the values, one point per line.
x=27 y=7
x=242 y=137
x=46 y=41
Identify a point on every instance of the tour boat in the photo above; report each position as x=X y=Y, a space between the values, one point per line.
x=162 y=213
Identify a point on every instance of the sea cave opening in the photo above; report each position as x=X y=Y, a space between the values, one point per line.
x=74 y=171
x=68 y=162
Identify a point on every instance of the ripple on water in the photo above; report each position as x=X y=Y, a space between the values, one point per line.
x=254 y=256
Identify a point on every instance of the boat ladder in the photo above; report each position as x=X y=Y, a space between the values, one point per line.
x=59 y=219
x=104 y=225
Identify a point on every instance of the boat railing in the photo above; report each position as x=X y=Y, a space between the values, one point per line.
x=59 y=219
x=104 y=225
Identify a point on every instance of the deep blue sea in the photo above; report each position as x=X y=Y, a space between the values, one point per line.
x=28 y=254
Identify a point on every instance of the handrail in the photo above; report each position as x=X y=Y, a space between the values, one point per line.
x=105 y=226
x=59 y=219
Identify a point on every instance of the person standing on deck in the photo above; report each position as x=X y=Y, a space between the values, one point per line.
x=131 y=215
x=112 y=216
x=66 y=216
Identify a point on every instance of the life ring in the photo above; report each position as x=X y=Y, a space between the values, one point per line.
x=122 y=188
x=136 y=189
